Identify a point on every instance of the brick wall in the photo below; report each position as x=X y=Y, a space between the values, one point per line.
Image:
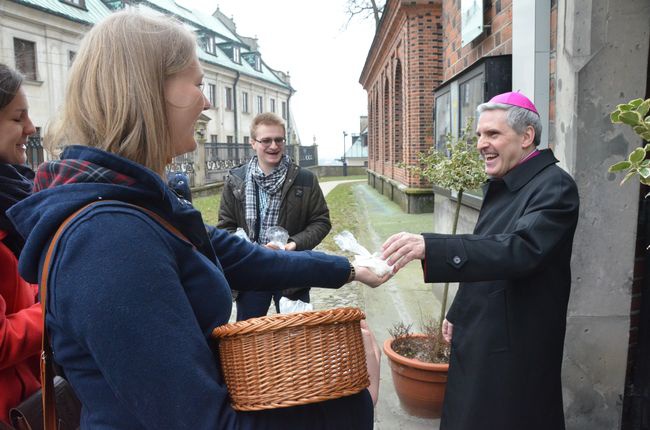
x=495 y=40
x=403 y=67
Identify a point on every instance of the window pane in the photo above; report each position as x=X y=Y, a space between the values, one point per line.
x=71 y=55
x=229 y=98
x=471 y=95
x=212 y=94
x=25 y=56
x=443 y=119
x=244 y=102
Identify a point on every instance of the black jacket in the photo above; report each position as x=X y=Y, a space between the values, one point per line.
x=509 y=314
x=303 y=210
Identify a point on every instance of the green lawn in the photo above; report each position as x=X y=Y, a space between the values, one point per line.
x=344 y=215
x=344 y=212
x=209 y=208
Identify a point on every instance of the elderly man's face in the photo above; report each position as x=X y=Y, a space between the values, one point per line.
x=500 y=146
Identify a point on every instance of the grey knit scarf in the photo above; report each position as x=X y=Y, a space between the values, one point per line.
x=263 y=197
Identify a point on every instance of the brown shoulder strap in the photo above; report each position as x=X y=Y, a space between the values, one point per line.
x=47 y=369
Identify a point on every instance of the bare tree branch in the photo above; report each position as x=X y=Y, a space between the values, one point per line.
x=364 y=9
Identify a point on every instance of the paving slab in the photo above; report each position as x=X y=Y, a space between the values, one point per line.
x=403 y=298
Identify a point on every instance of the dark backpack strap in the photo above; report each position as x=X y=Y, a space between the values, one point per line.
x=303 y=178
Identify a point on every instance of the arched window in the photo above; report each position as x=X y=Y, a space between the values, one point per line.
x=376 y=139
x=397 y=116
x=386 y=135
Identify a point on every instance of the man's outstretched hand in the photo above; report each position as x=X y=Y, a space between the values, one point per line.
x=402 y=248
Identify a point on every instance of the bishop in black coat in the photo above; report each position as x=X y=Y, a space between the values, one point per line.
x=508 y=318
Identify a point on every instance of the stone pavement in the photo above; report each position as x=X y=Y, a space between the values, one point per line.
x=405 y=297
x=328 y=186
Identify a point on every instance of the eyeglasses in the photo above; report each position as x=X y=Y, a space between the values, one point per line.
x=268 y=140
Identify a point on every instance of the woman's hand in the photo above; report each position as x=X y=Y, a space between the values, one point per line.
x=373 y=360
x=447 y=330
x=368 y=277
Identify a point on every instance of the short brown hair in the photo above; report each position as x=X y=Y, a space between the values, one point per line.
x=266 y=118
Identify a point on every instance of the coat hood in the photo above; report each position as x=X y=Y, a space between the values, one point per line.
x=39 y=216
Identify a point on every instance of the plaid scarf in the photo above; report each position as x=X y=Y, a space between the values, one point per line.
x=265 y=191
x=69 y=171
x=15 y=185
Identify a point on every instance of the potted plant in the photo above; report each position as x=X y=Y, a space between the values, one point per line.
x=419 y=362
x=419 y=365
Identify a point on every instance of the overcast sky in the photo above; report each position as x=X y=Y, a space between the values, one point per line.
x=309 y=40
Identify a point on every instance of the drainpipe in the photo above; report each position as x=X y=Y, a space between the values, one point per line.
x=234 y=95
x=296 y=158
x=234 y=106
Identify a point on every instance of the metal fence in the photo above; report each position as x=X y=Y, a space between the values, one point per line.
x=34 y=151
x=308 y=156
x=184 y=163
x=221 y=157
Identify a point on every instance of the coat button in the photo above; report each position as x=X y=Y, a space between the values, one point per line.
x=456 y=260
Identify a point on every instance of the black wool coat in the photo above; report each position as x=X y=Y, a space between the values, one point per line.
x=509 y=314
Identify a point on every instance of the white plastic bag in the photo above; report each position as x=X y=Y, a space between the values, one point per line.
x=288 y=306
x=278 y=236
x=346 y=241
x=240 y=232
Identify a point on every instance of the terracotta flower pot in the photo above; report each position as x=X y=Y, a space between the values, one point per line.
x=420 y=386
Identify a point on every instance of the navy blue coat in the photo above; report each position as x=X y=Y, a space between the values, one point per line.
x=130 y=306
x=509 y=314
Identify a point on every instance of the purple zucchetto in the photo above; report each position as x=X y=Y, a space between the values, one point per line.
x=514 y=99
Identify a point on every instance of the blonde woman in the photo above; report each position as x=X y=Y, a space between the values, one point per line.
x=130 y=306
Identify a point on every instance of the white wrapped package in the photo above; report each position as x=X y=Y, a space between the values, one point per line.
x=278 y=236
x=373 y=262
x=363 y=258
x=240 y=232
x=288 y=306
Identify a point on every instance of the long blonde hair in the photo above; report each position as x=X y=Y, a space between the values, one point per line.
x=115 y=93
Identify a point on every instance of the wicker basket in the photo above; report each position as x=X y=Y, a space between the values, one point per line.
x=287 y=360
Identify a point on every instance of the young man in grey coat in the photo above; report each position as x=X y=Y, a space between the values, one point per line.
x=269 y=191
x=508 y=320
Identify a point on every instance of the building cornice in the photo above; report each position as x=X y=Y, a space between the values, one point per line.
x=394 y=14
x=52 y=12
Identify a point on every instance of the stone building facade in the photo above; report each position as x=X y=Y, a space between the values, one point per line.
x=40 y=38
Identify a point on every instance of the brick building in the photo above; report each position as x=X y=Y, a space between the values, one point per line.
x=576 y=61
x=403 y=67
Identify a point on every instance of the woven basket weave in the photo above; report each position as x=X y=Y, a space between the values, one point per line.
x=287 y=360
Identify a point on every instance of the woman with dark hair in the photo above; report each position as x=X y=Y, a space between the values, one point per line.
x=20 y=315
